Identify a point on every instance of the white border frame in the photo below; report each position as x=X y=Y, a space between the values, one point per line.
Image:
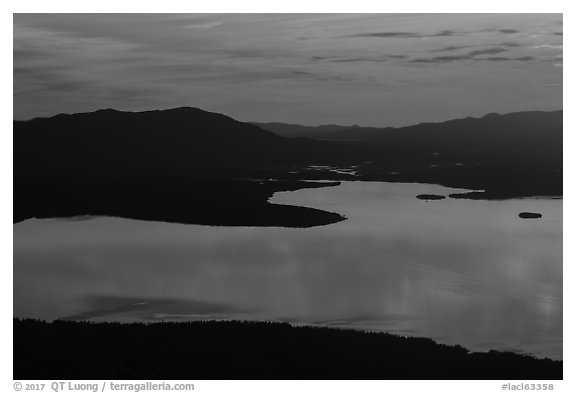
x=260 y=6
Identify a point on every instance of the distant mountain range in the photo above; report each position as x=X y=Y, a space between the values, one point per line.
x=200 y=165
x=298 y=131
x=538 y=134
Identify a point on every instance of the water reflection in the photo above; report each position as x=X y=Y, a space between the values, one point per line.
x=466 y=272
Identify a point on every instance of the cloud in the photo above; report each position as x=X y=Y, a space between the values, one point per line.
x=454 y=48
x=502 y=58
x=441 y=59
x=69 y=62
x=319 y=77
x=507 y=31
x=53 y=86
x=487 y=51
x=451 y=48
x=548 y=46
x=351 y=59
x=58 y=62
x=448 y=59
x=386 y=35
x=396 y=34
x=511 y=44
x=204 y=26
x=443 y=33
x=473 y=55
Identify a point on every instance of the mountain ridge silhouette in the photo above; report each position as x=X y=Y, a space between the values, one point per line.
x=186 y=164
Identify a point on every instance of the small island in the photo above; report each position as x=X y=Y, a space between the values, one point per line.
x=430 y=197
x=529 y=215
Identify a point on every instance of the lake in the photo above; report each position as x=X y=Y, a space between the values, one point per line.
x=459 y=271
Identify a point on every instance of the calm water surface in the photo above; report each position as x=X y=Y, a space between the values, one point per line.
x=458 y=271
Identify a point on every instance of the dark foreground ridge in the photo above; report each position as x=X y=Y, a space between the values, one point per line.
x=250 y=350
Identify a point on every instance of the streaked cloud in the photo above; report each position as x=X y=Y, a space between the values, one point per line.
x=502 y=58
x=374 y=59
x=487 y=51
x=395 y=34
x=507 y=31
x=547 y=46
x=451 y=48
x=203 y=26
x=475 y=55
x=511 y=44
x=304 y=68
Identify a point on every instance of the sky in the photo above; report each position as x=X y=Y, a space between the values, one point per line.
x=364 y=69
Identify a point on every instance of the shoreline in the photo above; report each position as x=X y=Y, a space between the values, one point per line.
x=251 y=206
x=251 y=350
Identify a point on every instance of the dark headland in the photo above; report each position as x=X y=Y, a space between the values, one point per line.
x=250 y=350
